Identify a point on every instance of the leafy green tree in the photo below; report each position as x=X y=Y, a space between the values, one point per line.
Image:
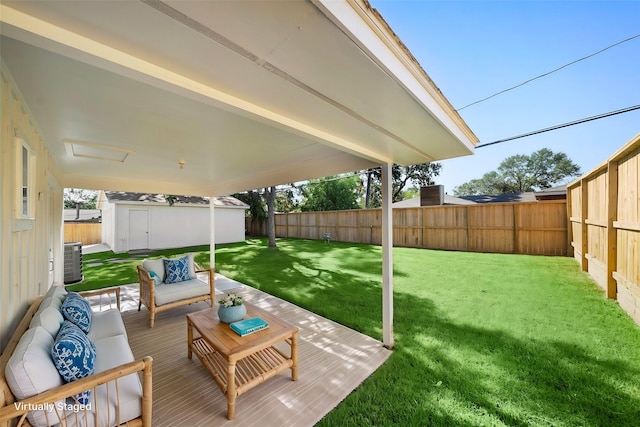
x=410 y=193
x=74 y=197
x=285 y=201
x=330 y=193
x=419 y=175
x=77 y=198
x=520 y=173
x=262 y=206
x=490 y=183
x=253 y=198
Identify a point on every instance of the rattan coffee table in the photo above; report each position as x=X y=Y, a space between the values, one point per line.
x=237 y=364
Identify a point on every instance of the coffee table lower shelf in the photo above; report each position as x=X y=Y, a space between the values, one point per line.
x=246 y=373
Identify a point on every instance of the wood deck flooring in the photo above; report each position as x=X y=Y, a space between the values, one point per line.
x=333 y=361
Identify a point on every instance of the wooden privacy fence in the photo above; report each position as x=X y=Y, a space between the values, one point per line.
x=604 y=213
x=88 y=233
x=524 y=228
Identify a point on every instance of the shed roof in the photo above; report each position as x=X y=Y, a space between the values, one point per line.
x=222 y=201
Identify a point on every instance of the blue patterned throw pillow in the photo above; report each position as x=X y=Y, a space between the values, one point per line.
x=74 y=356
x=77 y=310
x=176 y=269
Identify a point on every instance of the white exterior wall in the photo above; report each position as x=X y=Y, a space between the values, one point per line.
x=27 y=245
x=229 y=225
x=107 y=224
x=174 y=226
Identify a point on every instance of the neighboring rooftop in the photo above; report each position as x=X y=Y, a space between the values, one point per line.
x=502 y=198
x=414 y=202
x=554 y=193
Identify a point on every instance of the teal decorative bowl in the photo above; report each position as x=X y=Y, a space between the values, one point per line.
x=231 y=314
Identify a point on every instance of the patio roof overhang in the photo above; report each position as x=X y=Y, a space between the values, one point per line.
x=209 y=98
x=245 y=94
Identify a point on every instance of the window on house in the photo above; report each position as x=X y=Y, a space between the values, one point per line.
x=26 y=181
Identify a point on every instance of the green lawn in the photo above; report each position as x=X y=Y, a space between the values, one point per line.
x=481 y=339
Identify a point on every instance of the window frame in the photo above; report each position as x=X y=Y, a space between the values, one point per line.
x=25 y=180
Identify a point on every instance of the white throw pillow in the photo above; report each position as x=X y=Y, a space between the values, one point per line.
x=192 y=267
x=155 y=265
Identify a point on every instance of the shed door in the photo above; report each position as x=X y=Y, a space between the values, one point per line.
x=138 y=229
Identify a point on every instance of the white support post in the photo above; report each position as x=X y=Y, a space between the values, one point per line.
x=212 y=234
x=387 y=257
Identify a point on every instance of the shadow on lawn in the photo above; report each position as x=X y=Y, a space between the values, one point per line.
x=447 y=374
x=500 y=378
x=465 y=375
x=297 y=272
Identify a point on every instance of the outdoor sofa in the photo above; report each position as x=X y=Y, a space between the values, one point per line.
x=58 y=337
x=172 y=282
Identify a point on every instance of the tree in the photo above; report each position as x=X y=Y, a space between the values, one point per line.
x=419 y=175
x=285 y=200
x=265 y=204
x=490 y=183
x=254 y=199
x=77 y=198
x=330 y=193
x=520 y=173
x=270 y=197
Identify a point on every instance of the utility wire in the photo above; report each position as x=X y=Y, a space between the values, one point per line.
x=550 y=72
x=564 y=125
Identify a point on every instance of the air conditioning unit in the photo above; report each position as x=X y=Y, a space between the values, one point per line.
x=72 y=262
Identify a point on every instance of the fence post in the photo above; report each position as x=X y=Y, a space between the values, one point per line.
x=569 y=223
x=468 y=229
x=516 y=241
x=583 y=225
x=612 y=214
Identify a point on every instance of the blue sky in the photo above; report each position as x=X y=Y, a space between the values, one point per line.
x=472 y=49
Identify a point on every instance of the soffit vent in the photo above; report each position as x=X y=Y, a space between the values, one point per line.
x=95 y=151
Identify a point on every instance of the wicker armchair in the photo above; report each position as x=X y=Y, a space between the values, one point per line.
x=156 y=300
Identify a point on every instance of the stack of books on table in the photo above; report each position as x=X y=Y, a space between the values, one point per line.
x=249 y=326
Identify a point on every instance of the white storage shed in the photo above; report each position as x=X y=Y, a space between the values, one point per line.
x=138 y=221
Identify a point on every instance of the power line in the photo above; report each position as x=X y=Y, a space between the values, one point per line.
x=550 y=72
x=564 y=125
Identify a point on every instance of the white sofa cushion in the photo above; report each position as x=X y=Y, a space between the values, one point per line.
x=50 y=301
x=105 y=324
x=49 y=318
x=166 y=293
x=31 y=371
x=112 y=352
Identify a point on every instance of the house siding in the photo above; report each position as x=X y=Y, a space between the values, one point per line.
x=31 y=251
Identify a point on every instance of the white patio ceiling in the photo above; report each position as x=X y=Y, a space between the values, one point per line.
x=246 y=94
